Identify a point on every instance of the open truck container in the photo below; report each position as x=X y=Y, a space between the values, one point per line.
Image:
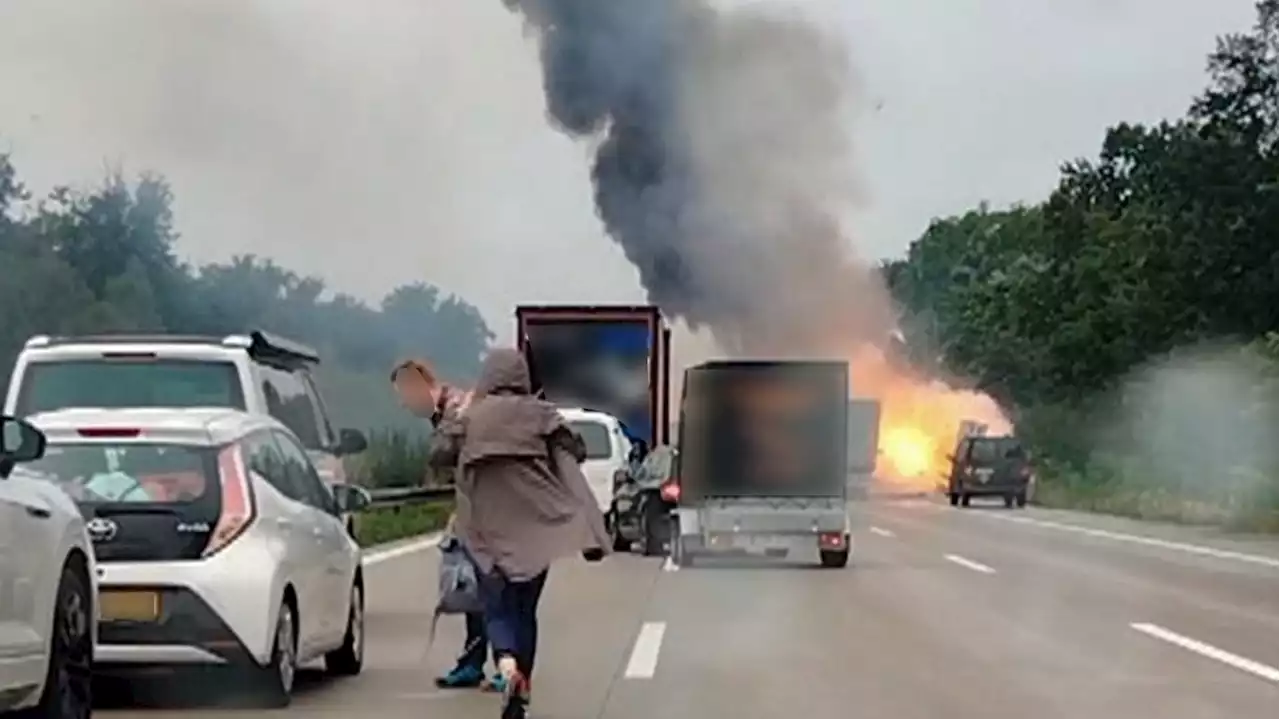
x=764 y=461
x=607 y=358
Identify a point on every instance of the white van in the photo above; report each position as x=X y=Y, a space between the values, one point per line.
x=607 y=449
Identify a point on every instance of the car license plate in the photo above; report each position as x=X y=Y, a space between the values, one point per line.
x=984 y=475
x=129 y=606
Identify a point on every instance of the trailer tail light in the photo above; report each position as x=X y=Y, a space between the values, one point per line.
x=670 y=490
x=237 y=500
x=831 y=540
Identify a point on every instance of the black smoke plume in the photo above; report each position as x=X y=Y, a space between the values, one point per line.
x=723 y=167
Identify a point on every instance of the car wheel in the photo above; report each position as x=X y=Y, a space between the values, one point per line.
x=954 y=499
x=275 y=679
x=1008 y=501
x=348 y=659
x=1022 y=500
x=68 y=684
x=620 y=543
x=964 y=500
x=655 y=529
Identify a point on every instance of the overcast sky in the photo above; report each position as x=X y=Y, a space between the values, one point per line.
x=385 y=141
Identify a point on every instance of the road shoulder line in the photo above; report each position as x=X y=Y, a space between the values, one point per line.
x=382 y=554
x=1139 y=539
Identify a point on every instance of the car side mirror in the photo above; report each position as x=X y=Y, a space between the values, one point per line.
x=350 y=499
x=20 y=441
x=351 y=441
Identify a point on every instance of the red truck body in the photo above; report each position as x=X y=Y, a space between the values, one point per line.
x=609 y=358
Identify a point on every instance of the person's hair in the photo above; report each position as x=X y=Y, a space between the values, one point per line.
x=421 y=367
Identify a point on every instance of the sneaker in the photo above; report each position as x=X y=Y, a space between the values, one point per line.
x=465 y=677
x=496 y=683
x=515 y=697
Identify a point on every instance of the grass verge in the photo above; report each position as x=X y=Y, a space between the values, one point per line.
x=387 y=524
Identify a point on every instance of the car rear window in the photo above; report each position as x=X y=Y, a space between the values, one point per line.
x=990 y=450
x=128 y=382
x=595 y=436
x=123 y=474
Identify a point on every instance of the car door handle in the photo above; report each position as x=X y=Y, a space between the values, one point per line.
x=37 y=512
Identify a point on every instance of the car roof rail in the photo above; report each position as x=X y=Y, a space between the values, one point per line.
x=120 y=338
x=260 y=345
x=273 y=349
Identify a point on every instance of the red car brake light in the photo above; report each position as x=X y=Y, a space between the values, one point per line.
x=670 y=490
x=108 y=432
x=237 y=500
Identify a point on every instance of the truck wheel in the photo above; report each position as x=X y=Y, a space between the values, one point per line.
x=964 y=500
x=954 y=499
x=1022 y=500
x=1008 y=501
x=834 y=558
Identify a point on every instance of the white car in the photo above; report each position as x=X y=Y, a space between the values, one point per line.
x=607 y=449
x=47 y=589
x=217 y=543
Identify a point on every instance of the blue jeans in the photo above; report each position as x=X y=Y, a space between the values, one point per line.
x=476 y=645
x=511 y=613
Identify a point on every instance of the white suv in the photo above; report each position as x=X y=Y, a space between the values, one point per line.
x=256 y=372
x=217 y=542
x=47 y=588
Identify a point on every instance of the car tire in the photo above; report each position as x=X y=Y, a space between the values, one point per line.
x=1022 y=500
x=68 y=683
x=1008 y=501
x=834 y=558
x=964 y=500
x=655 y=529
x=954 y=499
x=275 y=680
x=348 y=659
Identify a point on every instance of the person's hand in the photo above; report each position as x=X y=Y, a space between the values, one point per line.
x=594 y=554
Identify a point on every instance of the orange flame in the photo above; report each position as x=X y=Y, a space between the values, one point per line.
x=919 y=418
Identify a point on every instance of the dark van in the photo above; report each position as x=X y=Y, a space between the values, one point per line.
x=990 y=467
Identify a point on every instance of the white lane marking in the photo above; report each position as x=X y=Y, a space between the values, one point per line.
x=1248 y=665
x=669 y=565
x=881 y=532
x=644 y=655
x=417 y=545
x=969 y=564
x=1138 y=539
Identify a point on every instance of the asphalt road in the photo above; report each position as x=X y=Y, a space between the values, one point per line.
x=985 y=613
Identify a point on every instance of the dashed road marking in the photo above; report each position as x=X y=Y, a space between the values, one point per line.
x=644 y=654
x=669 y=564
x=969 y=564
x=881 y=532
x=1206 y=650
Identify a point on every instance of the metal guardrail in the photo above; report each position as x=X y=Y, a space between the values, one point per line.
x=397 y=496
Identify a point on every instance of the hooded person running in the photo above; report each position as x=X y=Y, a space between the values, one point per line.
x=523 y=502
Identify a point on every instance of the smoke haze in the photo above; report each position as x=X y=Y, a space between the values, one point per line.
x=724 y=167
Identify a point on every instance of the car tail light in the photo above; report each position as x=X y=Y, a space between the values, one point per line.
x=670 y=491
x=237 y=500
x=108 y=432
x=831 y=540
